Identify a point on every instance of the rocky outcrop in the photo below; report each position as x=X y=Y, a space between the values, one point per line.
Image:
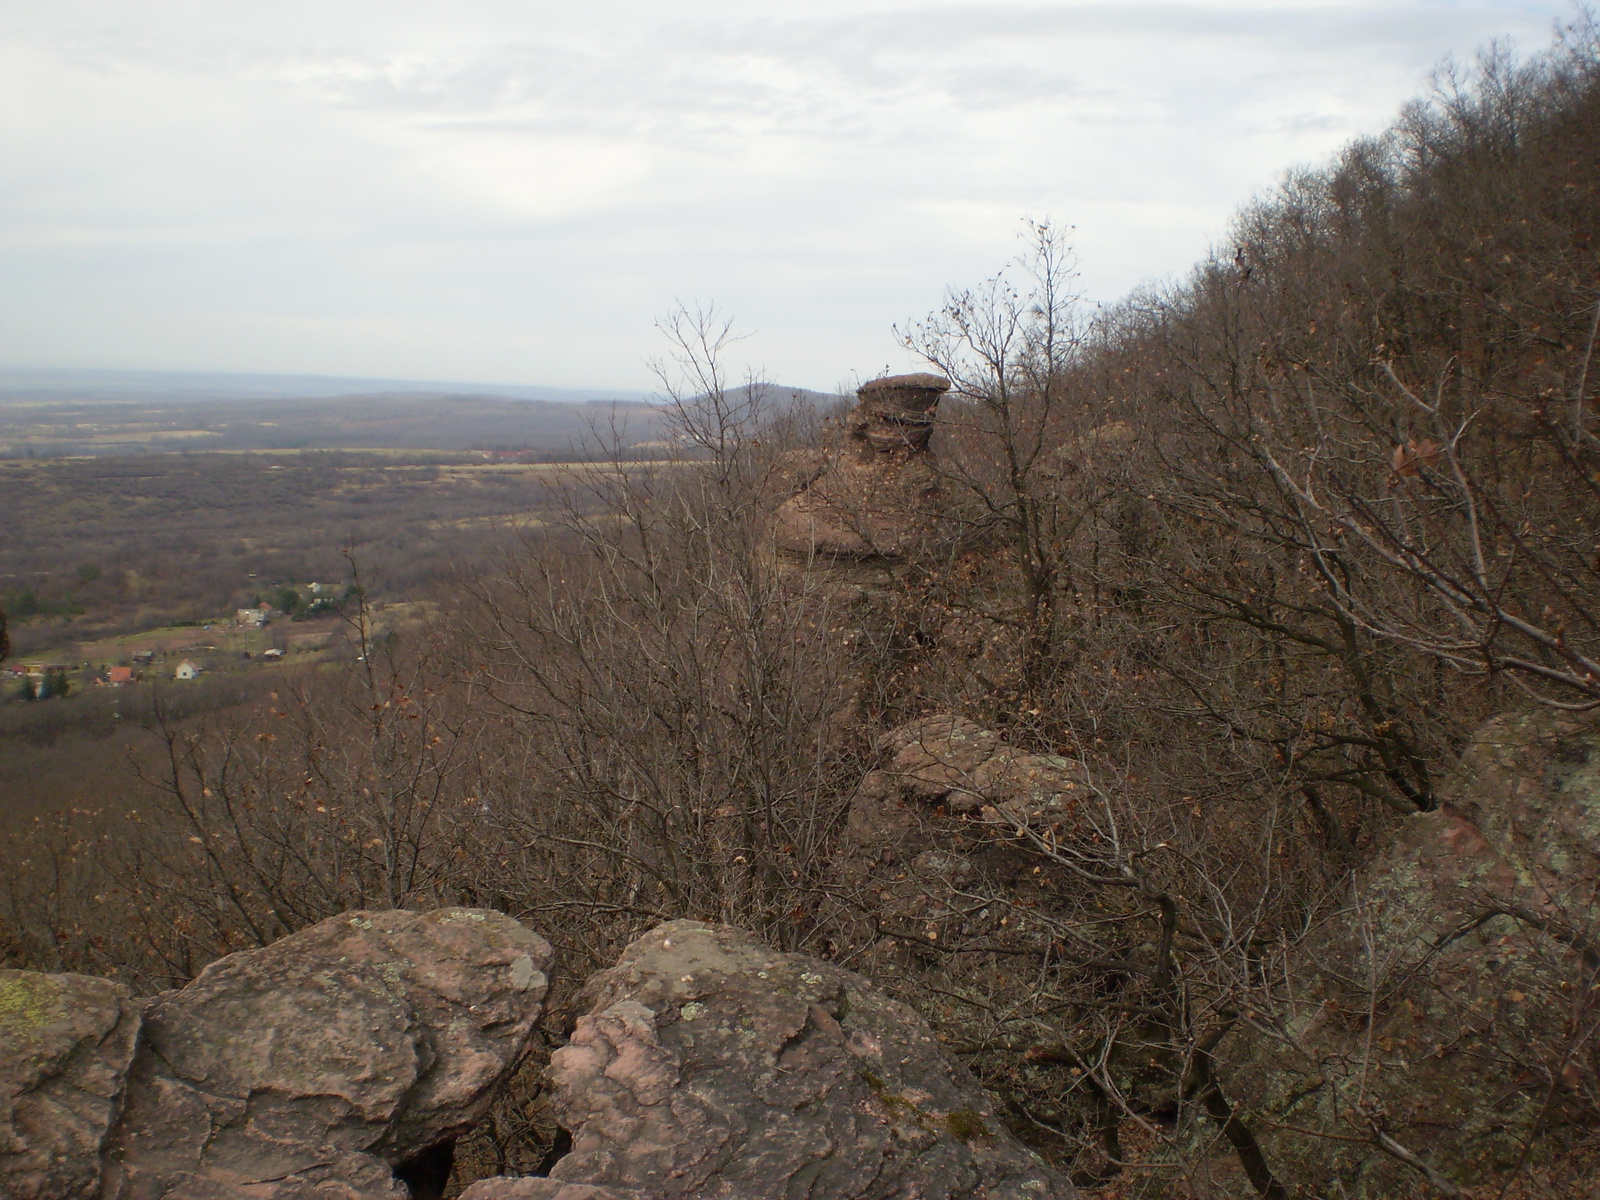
x=896 y=412
x=1450 y=1010
x=1444 y=1013
x=336 y=1064
x=342 y=1062
x=709 y=1064
x=870 y=500
x=339 y=1063
x=66 y=1042
x=949 y=764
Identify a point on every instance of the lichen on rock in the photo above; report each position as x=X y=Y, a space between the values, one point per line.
x=65 y=1045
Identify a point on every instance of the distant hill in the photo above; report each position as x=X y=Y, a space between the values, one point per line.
x=56 y=413
x=19 y=383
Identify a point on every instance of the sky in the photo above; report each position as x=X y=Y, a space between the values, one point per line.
x=490 y=191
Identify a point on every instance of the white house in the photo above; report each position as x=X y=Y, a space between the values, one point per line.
x=186 y=670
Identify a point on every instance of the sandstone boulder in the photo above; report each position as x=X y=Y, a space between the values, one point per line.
x=709 y=1064
x=66 y=1042
x=319 y=1065
x=950 y=762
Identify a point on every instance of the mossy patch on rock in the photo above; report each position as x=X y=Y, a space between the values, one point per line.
x=66 y=1042
x=27 y=1002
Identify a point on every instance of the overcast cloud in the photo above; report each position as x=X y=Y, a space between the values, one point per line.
x=510 y=192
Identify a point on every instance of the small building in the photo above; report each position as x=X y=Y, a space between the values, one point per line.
x=272 y=652
x=249 y=618
x=117 y=676
x=144 y=656
x=187 y=669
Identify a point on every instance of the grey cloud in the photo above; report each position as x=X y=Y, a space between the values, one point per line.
x=362 y=192
x=841 y=75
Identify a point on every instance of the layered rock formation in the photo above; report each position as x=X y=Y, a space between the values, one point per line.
x=339 y=1063
x=709 y=1064
x=870 y=499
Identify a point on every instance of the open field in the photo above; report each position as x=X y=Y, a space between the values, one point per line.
x=104 y=548
x=215 y=646
x=103 y=558
x=113 y=558
x=222 y=645
x=119 y=551
x=52 y=424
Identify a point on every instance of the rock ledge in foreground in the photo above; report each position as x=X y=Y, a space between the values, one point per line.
x=316 y=1066
x=66 y=1042
x=711 y=1065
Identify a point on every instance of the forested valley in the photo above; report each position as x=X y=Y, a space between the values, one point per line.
x=1083 y=708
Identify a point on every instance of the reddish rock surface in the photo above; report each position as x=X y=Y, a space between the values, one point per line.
x=546 y=1189
x=328 y=1065
x=66 y=1042
x=948 y=761
x=316 y=1066
x=710 y=1065
x=1472 y=941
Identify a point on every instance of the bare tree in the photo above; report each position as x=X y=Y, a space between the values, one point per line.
x=678 y=687
x=1007 y=347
